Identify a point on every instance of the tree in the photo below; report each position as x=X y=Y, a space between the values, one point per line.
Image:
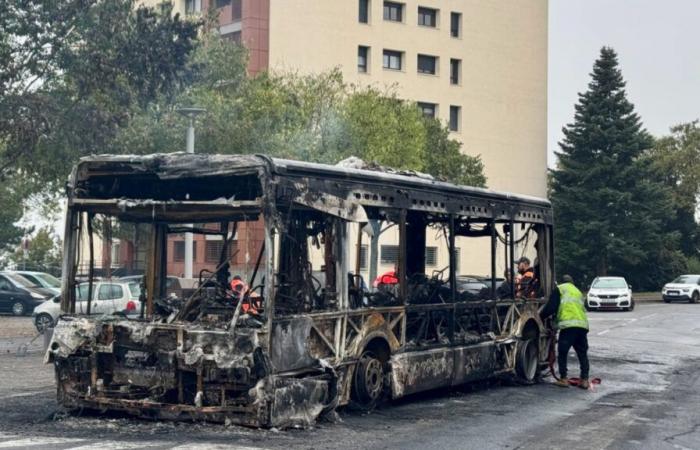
x=44 y=253
x=610 y=211
x=315 y=117
x=676 y=161
x=73 y=71
x=444 y=158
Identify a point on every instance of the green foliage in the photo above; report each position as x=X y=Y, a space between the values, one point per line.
x=676 y=161
x=44 y=253
x=444 y=159
x=307 y=117
x=611 y=212
x=385 y=129
x=73 y=71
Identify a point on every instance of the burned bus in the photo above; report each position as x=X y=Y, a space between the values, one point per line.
x=311 y=331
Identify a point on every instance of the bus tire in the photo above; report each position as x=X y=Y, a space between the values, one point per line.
x=368 y=385
x=527 y=360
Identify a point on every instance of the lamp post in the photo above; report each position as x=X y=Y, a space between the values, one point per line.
x=191 y=114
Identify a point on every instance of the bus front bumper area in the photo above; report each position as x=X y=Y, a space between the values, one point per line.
x=101 y=367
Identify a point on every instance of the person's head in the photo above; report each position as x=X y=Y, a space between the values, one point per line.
x=523 y=264
x=506 y=274
x=567 y=279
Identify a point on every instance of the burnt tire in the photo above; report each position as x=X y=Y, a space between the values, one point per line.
x=368 y=385
x=527 y=360
x=18 y=309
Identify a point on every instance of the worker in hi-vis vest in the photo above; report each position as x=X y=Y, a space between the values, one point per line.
x=571 y=320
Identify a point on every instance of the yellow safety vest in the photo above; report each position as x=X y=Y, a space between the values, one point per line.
x=572 y=313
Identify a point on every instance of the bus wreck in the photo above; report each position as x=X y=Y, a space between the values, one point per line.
x=309 y=333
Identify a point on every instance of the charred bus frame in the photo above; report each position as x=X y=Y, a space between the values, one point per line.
x=313 y=347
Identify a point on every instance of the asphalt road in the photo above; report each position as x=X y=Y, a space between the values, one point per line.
x=648 y=360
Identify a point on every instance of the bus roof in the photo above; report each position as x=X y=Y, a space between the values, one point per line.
x=184 y=165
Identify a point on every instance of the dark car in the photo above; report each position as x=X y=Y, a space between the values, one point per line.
x=20 y=296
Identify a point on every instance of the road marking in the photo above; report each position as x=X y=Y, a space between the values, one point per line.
x=38 y=441
x=604 y=319
x=116 y=445
x=603 y=332
x=648 y=316
x=27 y=394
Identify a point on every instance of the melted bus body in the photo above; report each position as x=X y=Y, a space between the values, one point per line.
x=311 y=332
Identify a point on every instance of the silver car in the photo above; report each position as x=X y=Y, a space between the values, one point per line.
x=107 y=297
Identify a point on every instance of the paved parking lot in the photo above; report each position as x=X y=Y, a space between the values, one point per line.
x=648 y=360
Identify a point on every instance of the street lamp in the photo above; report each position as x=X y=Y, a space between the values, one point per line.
x=191 y=113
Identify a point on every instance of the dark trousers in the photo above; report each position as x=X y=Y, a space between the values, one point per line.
x=578 y=339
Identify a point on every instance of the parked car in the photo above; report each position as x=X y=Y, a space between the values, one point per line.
x=610 y=293
x=43 y=279
x=685 y=287
x=107 y=297
x=173 y=284
x=19 y=295
x=471 y=284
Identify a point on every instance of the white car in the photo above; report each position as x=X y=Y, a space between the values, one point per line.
x=107 y=297
x=42 y=279
x=610 y=293
x=685 y=287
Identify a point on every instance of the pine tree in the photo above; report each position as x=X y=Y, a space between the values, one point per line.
x=609 y=210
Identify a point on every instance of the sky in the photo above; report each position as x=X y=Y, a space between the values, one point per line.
x=658 y=44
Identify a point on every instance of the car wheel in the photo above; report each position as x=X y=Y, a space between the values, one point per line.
x=631 y=307
x=42 y=322
x=667 y=300
x=18 y=309
x=694 y=297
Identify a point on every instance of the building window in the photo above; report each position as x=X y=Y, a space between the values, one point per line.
x=364 y=11
x=455 y=113
x=427 y=64
x=431 y=256
x=193 y=6
x=362 y=59
x=213 y=251
x=363 y=257
x=392 y=60
x=222 y=3
x=455 y=24
x=237 y=10
x=179 y=251
x=428 y=109
x=389 y=254
x=393 y=11
x=427 y=17
x=455 y=66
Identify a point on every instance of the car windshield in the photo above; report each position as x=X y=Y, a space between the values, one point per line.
x=609 y=283
x=19 y=280
x=687 y=279
x=49 y=279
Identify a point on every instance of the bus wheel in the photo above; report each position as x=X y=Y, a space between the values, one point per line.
x=368 y=383
x=527 y=360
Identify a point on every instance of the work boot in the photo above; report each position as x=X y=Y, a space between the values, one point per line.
x=585 y=384
x=562 y=382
